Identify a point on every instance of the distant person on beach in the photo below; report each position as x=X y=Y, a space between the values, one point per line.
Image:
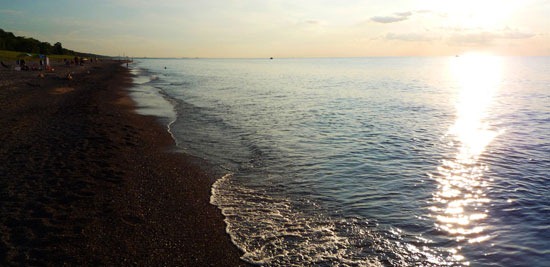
x=23 y=65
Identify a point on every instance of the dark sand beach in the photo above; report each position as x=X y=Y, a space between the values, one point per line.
x=86 y=181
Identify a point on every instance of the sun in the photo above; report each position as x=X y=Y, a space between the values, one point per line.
x=484 y=14
x=477 y=14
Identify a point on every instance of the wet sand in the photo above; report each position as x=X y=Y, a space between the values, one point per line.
x=86 y=181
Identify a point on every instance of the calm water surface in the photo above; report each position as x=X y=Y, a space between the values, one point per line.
x=368 y=161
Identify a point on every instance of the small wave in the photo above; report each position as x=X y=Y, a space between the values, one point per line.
x=270 y=232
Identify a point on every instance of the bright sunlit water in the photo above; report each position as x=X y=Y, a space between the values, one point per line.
x=368 y=161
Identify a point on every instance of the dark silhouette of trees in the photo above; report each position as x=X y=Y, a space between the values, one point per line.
x=8 y=41
x=46 y=48
x=58 y=48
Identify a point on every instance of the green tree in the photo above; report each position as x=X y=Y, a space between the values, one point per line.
x=45 y=48
x=8 y=41
x=58 y=49
x=28 y=45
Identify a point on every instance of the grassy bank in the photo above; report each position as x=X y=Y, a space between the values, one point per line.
x=8 y=56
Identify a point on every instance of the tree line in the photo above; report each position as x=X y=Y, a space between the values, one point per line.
x=8 y=41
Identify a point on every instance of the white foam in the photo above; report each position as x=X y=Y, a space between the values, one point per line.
x=269 y=231
x=149 y=99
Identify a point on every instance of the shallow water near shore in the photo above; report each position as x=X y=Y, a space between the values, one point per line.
x=368 y=161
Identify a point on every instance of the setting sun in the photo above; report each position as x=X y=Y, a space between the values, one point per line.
x=477 y=14
x=493 y=13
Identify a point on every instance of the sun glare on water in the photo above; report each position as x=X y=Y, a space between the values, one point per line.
x=478 y=76
x=460 y=203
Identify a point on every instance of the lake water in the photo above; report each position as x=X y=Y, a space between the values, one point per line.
x=368 y=161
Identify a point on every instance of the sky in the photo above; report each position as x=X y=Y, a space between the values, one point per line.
x=284 y=28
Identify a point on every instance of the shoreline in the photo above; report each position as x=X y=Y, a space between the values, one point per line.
x=86 y=180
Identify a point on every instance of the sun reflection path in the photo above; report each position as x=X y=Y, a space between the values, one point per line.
x=460 y=203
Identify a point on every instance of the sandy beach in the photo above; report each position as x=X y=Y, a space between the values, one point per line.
x=86 y=181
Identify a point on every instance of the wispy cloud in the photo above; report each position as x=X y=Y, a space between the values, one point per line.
x=466 y=37
x=396 y=17
x=313 y=22
x=515 y=34
x=423 y=11
x=388 y=19
x=411 y=37
x=403 y=14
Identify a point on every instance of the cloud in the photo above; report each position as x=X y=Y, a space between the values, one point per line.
x=516 y=35
x=396 y=17
x=410 y=37
x=403 y=14
x=465 y=37
x=388 y=19
x=423 y=11
x=313 y=22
